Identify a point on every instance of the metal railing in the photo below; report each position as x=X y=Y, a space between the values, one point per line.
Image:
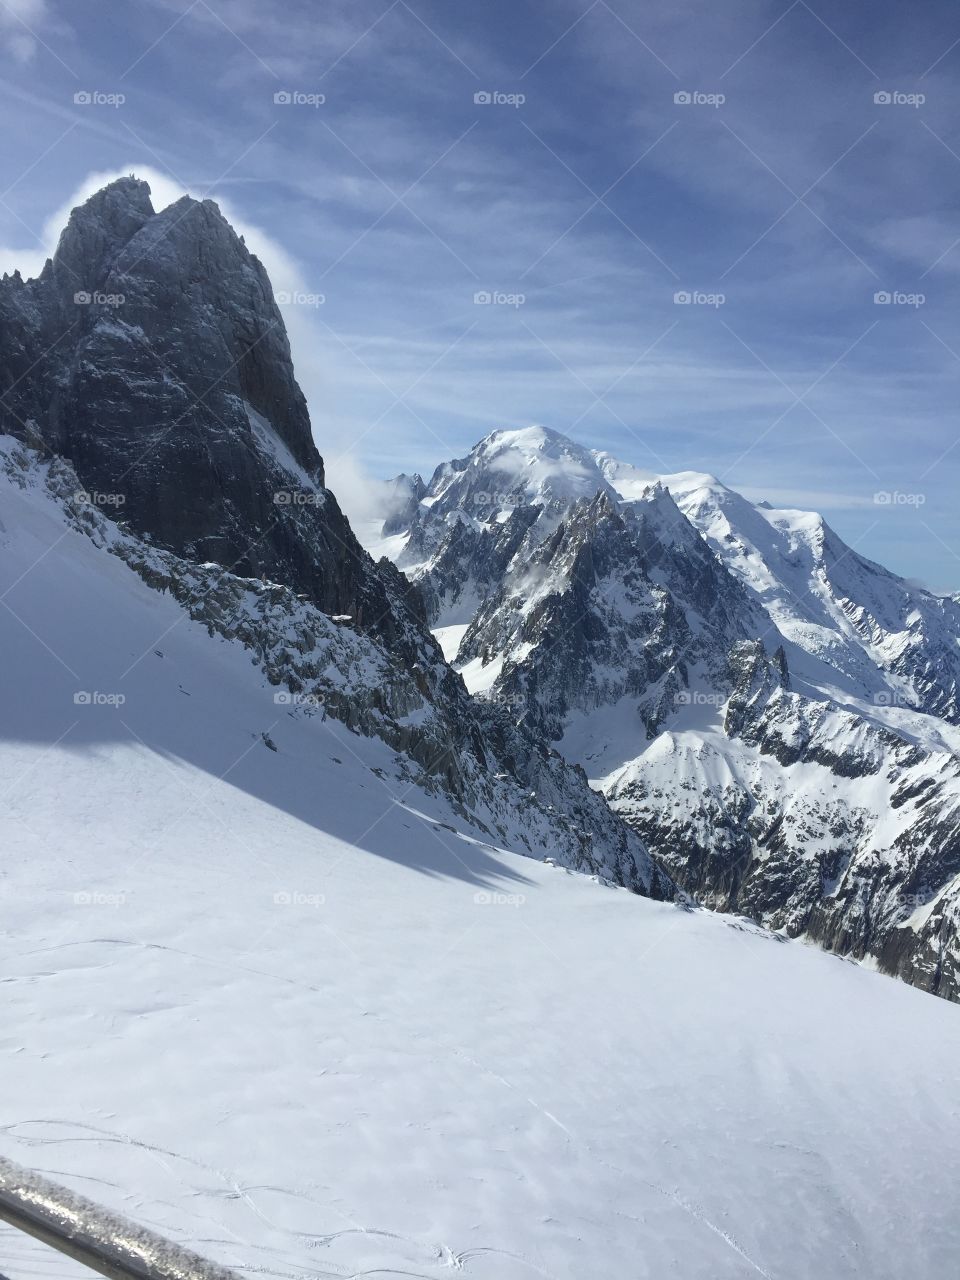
x=92 y=1235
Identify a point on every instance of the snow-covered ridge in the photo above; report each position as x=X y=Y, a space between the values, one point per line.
x=503 y=783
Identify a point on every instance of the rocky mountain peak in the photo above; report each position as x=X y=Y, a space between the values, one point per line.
x=756 y=676
x=404 y=494
x=152 y=355
x=97 y=230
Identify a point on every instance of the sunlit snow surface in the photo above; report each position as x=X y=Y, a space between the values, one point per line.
x=261 y=1001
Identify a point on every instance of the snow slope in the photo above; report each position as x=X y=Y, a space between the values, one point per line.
x=262 y=995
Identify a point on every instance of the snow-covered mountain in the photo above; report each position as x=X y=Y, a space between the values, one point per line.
x=846 y=622
x=773 y=713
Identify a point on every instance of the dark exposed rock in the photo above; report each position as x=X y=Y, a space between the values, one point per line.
x=403 y=498
x=169 y=386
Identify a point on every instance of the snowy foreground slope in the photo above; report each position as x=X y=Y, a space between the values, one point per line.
x=266 y=996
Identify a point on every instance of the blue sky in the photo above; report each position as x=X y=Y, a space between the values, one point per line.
x=596 y=199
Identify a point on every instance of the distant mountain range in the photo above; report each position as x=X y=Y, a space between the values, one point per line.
x=775 y=715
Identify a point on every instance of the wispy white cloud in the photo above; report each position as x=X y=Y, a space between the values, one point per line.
x=20 y=22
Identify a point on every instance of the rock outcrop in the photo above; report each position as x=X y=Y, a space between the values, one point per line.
x=151 y=353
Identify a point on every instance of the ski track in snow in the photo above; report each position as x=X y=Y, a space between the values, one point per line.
x=675 y=1196
x=233 y=1189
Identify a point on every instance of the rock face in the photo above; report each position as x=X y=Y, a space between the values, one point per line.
x=403 y=498
x=151 y=353
x=146 y=375
x=773 y=715
x=811 y=819
x=616 y=602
